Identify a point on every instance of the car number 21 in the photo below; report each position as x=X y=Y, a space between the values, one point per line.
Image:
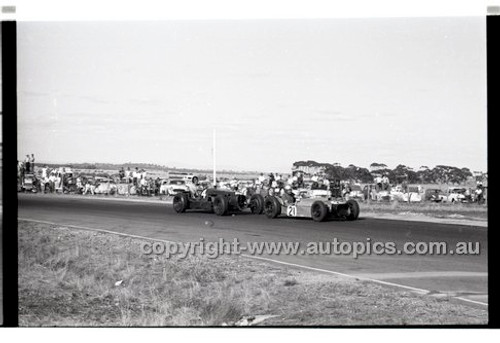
x=291 y=211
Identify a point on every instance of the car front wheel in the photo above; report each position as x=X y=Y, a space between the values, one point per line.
x=180 y=203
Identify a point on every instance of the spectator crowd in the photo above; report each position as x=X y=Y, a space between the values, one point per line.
x=137 y=181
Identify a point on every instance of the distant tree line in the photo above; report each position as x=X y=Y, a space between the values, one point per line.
x=438 y=174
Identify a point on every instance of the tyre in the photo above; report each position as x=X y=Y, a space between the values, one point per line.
x=353 y=210
x=257 y=204
x=180 y=203
x=272 y=207
x=319 y=211
x=220 y=205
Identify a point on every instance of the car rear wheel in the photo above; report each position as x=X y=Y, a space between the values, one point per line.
x=353 y=210
x=319 y=211
x=272 y=207
x=257 y=204
x=220 y=205
x=180 y=203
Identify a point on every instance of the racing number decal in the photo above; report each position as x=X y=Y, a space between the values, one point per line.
x=291 y=211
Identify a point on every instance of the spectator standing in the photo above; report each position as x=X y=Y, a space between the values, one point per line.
x=135 y=177
x=52 y=181
x=366 y=192
x=405 y=186
x=373 y=193
x=271 y=179
x=385 y=182
x=261 y=179
x=157 y=185
x=27 y=164
x=45 y=172
x=378 y=183
x=479 y=194
x=32 y=162
x=274 y=184
x=143 y=186
x=89 y=187
x=20 y=172
x=234 y=183
x=300 y=180
x=127 y=175
x=58 y=182
x=79 y=185
x=44 y=178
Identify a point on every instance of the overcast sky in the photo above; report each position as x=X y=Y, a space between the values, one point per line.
x=400 y=90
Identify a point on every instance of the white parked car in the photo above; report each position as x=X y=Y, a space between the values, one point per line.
x=456 y=194
x=163 y=186
x=105 y=186
x=355 y=193
x=173 y=187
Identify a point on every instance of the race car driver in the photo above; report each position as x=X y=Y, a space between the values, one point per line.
x=288 y=196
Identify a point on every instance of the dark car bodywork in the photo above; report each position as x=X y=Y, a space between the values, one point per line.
x=220 y=202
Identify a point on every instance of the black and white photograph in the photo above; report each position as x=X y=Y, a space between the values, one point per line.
x=248 y=170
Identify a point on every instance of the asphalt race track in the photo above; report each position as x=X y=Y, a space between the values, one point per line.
x=461 y=276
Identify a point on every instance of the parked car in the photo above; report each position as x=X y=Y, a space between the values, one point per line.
x=435 y=195
x=414 y=194
x=105 y=186
x=458 y=194
x=190 y=177
x=356 y=193
x=385 y=196
x=28 y=184
x=163 y=186
x=175 y=186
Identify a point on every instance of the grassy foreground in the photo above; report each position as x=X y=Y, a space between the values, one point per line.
x=69 y=277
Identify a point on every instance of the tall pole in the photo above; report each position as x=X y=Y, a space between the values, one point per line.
x=213 y=152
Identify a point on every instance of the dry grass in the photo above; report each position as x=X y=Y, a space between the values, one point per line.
x=67 y=278
x=430 y=209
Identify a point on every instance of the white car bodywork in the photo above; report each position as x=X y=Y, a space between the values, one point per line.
x=415 y=194
x=106 y=187
x=455 y=195
x=356 y=193
x=173 y=187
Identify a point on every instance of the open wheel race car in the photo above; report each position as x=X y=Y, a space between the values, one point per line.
x=220 y=202
x=316 y=208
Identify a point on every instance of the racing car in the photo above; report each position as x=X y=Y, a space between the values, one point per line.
x=316 y=208
x=220 y=202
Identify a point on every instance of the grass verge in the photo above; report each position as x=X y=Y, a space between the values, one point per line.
x=428 y=209
x=70 y=277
